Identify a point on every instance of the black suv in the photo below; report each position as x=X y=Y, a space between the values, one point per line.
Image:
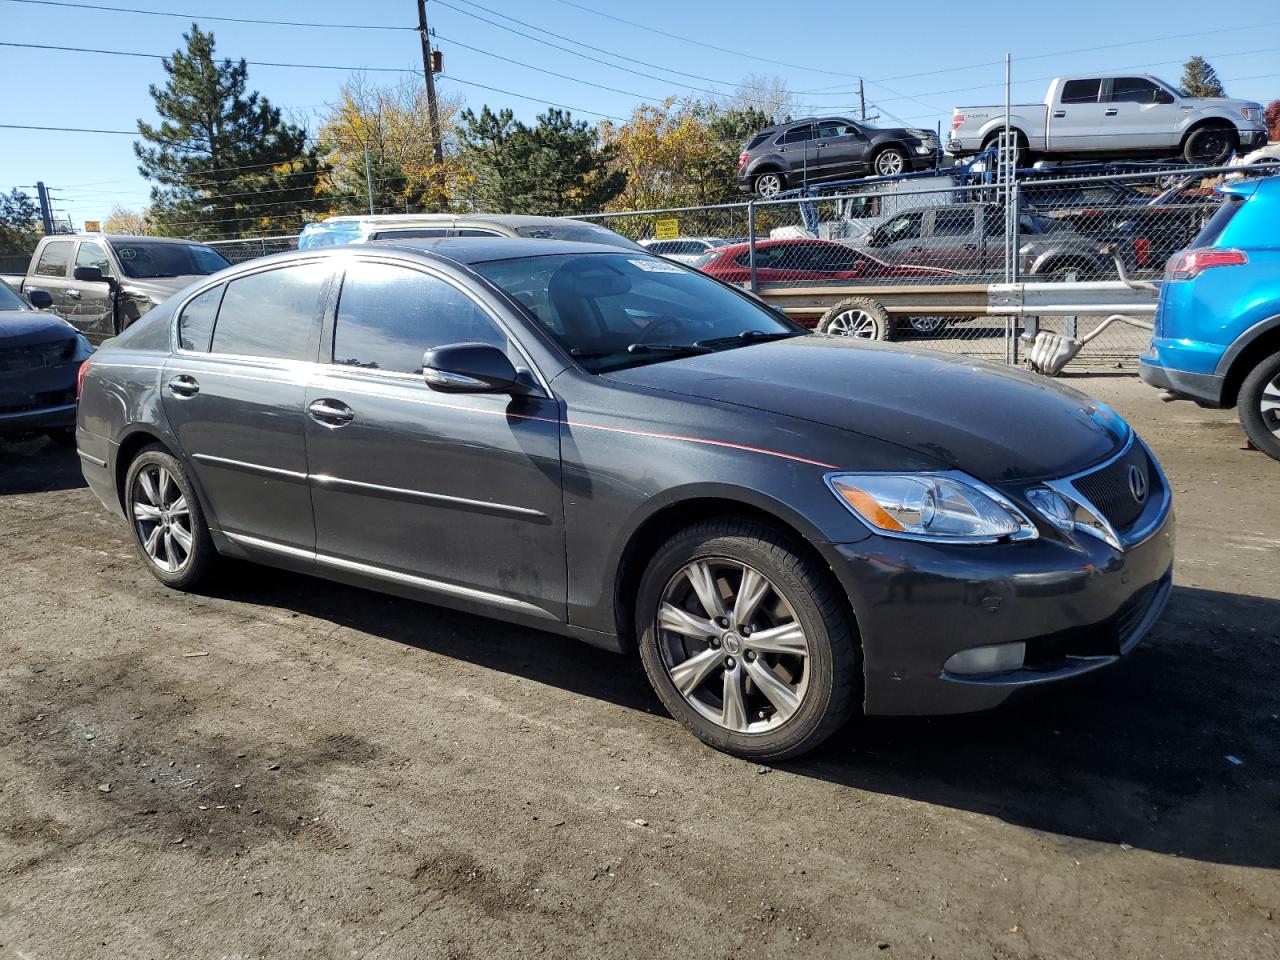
x=792 y=154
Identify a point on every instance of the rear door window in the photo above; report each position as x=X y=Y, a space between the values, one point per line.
x=390 y=315
x=798 y=134
x=54 y=259
x=273 y=314
x=195 y=325
x=1082 y=91
x=953 y=223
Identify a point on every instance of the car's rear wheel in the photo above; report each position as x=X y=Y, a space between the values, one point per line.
x=168 y=524
x=746 y=642
x=890 y=162
x=1209 y=146
x=769 y=184
x=1259 y=406
x=927 y=326
x=857 y=317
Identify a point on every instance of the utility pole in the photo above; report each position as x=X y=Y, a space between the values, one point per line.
x=46 y=215
x=368 y=176
x=436 y=146
x=862 y=99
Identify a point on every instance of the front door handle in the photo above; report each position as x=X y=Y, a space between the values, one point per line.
x=73 y=294
x=331 y=413
x=1059 y=114
x=184 y=386
x=1111 y=113
x=915 y=249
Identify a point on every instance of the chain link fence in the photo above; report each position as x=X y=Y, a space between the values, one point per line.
x=250 y=248
x=913 y=258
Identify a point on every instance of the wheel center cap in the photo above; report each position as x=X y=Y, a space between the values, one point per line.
x=732 y=643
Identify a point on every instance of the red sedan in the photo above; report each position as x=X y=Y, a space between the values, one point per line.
x=781 y=261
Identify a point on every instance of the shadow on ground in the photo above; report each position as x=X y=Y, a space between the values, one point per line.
x=1140 y=754
x=37 y=466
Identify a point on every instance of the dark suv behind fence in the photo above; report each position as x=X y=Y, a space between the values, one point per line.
x=790 y=155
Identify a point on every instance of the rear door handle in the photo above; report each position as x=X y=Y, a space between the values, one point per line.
x=1111 y=113
x=73 y=294
x=1059 y=114
x=331 y=413
x=970 y=246
x=184 y=386
x=915 y=249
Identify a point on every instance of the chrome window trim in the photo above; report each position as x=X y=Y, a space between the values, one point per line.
x=394 y=576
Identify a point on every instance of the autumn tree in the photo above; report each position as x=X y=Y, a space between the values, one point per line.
x=20 y=227
x=1199 y=79
x=1272 y=115
x=222 y=161
x=391 y=126
x=130 y=223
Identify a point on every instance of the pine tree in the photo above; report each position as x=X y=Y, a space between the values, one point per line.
x=222 y=162
x=1199 y=79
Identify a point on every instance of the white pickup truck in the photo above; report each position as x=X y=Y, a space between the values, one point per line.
x=1097 y=117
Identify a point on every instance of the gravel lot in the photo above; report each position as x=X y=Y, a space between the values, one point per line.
x=290 y=768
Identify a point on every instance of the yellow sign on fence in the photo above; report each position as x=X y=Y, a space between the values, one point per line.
x=667 y=229
x=92 y=226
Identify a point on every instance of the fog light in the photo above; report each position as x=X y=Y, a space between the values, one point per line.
x=998 y=658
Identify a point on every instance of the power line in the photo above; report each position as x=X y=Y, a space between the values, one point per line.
x=168 y=56
x=204 y=16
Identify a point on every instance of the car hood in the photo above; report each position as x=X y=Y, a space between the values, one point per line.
x=21 y=328
x=158 y=289
x=1230 y=103
x=996 y=423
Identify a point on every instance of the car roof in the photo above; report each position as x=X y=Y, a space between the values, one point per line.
x=471 y=250
x=409 y=219
x=123 y=236
x=1247 y=188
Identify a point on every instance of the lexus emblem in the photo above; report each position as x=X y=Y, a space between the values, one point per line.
x=1137 y=483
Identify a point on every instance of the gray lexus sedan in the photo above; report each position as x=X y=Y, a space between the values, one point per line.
x=785 y=527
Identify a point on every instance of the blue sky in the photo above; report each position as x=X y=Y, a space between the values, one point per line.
x=919 y=59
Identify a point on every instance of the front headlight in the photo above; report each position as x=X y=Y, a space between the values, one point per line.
x=946 y=507
x=1248 y=113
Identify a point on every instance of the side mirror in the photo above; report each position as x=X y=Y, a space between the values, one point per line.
x=469 y=368
x=40 y=299
x=89 y=275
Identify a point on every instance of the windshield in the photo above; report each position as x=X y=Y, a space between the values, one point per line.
x=146 y=260
x=617 y=310
x=576 y=230
x=10 y=300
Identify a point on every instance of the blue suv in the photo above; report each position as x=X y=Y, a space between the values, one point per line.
x=1217 y=329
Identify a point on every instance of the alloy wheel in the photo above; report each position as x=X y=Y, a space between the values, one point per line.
x=853 y=323
x=162 y=518
x=889 y=163
x=768 y=185
x=733 y=646
x=926 y=324
x=1213 y=147
x=1269 y=406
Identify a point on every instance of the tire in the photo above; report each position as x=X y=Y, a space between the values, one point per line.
x=859 y=317
x=63 y=436
x=927 y=326
x=175 y=564
x=769 y=184
x=824 y=682
x=1209 y=146
x=1025 y=158
x=890 y=162
x=1259 y=406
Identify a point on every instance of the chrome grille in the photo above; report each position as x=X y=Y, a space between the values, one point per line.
x=36 y=355
x=1109 y=489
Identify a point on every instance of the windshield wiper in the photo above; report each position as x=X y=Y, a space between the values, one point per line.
x=689 y=348
x=748 y=336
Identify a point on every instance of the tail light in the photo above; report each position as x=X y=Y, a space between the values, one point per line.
x=1189 y=264
x=1142 y=251
x=84 y=368
x=956 y=120
x=742 y=159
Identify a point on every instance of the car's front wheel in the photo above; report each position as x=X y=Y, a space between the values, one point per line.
x=168 y=524
x=746 y=641
x=1259 y=406
x=891 y=162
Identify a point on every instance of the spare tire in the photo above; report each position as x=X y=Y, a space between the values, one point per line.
x=858 y=317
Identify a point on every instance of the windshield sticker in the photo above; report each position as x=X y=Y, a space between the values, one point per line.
x=656 y=266
x=126 y=253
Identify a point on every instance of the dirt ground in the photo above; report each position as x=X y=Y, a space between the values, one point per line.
x=289 y=768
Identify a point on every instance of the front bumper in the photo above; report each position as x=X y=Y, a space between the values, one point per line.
x=1077 y=603
x=1253 y=138
x=36 y=400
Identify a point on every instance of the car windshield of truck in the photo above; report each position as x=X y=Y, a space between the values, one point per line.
x=576 y=230
x=611 y=311
x=10 y=300
x=149 y=260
